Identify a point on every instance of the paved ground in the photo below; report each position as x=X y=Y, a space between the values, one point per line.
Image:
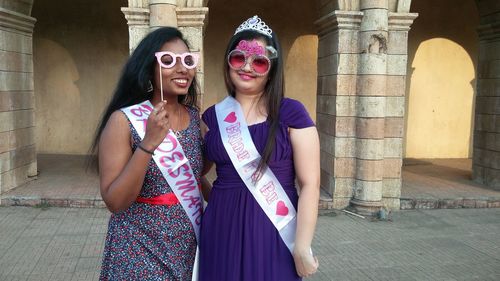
x=461 y=244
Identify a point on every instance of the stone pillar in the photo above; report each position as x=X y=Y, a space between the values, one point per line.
x=17 y=132
x=486 y=154
x=162 y=13
x=370 y=106
x=137 y=15
x=397 y=61
x=362 y=60
x=337 y=68
x=191 y=22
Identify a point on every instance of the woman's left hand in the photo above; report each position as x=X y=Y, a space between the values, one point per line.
x=305 y=263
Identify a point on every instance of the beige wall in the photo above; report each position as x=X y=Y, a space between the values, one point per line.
x=296 y=33
x=79 y=49
x=442 y=54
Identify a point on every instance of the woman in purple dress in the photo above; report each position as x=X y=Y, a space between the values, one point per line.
x=150 y=233
x=242 y=237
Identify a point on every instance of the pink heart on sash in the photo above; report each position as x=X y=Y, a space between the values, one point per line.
x=281 y=209
x=231 y=117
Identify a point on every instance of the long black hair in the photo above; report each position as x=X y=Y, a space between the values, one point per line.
x=274 y=90
x=136 y=76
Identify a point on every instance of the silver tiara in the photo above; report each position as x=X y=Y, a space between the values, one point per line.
x=256 y=24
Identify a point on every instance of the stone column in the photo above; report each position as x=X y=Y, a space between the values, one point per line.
x=337 y=68
x=486 y=155
x=162 y=13
x=371 y=106
x=17 y=132
x=191 y=22
x=137 y=15
x=397 y=61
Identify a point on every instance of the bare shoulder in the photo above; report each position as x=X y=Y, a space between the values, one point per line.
x=116 y=127
x=118 y=118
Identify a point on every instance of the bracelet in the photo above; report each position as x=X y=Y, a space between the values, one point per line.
x=145 y=150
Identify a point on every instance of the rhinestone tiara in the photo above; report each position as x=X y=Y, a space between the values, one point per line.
x=256 y=24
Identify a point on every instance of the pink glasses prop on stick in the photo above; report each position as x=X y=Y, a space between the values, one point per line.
x=169 y=60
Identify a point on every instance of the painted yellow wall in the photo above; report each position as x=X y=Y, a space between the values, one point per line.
x=441 y=79
x=301 y=71
x=296 y=32
x=79 y=48
x=440 y=101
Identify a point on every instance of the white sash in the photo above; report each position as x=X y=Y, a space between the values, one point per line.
x=268 y=191
x=173 y=164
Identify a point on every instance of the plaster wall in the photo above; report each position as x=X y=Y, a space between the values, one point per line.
x=442 y=58
x=79 y=47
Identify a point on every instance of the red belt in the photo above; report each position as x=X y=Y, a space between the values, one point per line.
x=164 y=199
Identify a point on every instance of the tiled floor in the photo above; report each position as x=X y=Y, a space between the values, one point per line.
x=64 y=181
x=441 y=178
x=445 y=181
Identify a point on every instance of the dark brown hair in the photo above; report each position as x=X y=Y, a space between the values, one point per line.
x=132 y=87
x=273 y=91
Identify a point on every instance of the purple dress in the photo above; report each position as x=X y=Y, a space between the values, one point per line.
x=238 y=241
x=154 y=242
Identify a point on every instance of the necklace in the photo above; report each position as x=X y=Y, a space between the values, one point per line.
x=178 y=132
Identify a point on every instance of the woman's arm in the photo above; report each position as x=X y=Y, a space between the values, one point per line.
x=305 y=145
x=121 y=172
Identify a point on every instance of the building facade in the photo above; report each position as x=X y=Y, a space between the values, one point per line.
x=384 y=79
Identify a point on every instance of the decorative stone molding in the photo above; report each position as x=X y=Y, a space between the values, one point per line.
x=339 y=20
x=16 y=21
x=138 y=25
x=136 y=16
x=192 y=17
x=401 y=21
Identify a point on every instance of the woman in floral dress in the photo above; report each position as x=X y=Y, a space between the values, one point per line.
x=150 y=235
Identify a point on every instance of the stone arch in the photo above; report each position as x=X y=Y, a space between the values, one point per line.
x=77 y=57
x=432 y=25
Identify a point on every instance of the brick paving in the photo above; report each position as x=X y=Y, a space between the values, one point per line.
x=51 y=243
